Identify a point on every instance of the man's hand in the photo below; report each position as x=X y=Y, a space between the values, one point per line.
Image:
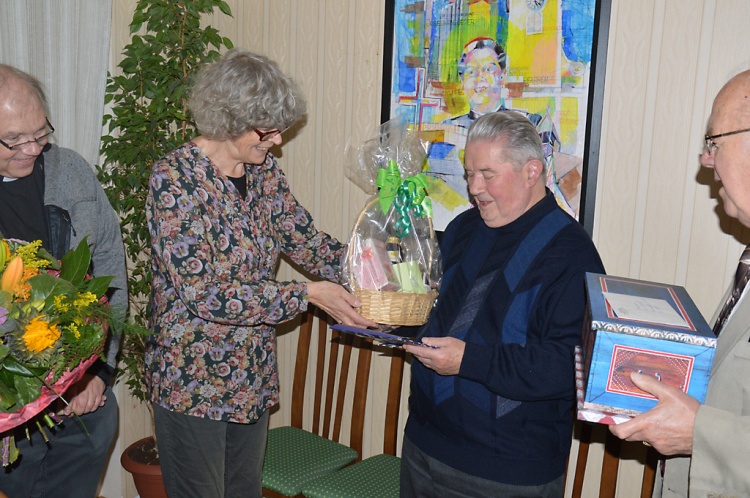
x=446 y=360
x=668 y=426
x=85 y=396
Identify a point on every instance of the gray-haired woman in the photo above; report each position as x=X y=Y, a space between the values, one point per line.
x=220 y=214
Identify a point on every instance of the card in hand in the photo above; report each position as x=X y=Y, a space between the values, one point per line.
x=381 y=336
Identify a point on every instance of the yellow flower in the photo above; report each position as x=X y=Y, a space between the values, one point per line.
x=61 y=303
x=84 y=299
x=74 y=328
x=40 y=334
x=28 y=253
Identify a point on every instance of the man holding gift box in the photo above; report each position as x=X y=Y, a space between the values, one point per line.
x=490 y=408
x=717 y=433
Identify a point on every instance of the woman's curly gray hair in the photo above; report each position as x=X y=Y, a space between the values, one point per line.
x=243 y=91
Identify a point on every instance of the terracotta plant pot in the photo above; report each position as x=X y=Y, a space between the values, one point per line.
x=141 y=460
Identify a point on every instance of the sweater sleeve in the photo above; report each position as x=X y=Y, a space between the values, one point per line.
x=193 y=248
x=108 y=258
x=73 y=186
x=316 y=252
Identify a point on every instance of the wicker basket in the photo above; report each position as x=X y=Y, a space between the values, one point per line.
x=394 y=308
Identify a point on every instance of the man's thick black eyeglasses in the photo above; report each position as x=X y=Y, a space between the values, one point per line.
x=40 y=140
x=711 y=146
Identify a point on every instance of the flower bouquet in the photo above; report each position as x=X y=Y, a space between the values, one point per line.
x=53 y=322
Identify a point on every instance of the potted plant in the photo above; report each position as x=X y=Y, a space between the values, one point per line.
x=148 y=117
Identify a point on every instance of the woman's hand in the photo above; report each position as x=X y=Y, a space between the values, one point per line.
x=338 y=303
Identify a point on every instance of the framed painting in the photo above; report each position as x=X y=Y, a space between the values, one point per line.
x=446 y=62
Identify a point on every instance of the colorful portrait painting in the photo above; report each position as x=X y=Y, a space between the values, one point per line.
x=454 y=60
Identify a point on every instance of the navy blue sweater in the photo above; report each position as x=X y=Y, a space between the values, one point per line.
x=516 y=296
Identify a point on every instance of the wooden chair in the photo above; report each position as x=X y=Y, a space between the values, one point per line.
x=296 y=455
x=377 y=476
x=610 y=463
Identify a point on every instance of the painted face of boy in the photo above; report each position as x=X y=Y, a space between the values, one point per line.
x=482 y=80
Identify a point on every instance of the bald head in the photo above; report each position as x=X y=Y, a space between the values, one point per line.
x=22 y=121
x=16 y=84
x=732 y=103
x=729 y=157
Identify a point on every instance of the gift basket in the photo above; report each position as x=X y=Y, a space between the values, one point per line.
x=393 y=263
x=53 y=321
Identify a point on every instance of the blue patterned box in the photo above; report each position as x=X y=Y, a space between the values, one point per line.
x=612 y=347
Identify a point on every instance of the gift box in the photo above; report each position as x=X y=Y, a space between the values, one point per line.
x=374 y=270
x=638 y=326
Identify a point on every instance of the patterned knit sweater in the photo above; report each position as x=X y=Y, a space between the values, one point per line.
x=516 y=296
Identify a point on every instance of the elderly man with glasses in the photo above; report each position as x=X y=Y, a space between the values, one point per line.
x=51 y=194
x=715 y=435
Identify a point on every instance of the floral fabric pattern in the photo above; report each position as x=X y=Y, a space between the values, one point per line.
x=215 y=298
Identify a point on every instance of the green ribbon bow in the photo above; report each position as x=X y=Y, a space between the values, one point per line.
x=407 y=195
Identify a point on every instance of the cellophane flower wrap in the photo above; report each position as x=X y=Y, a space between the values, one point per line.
x=393 y=247
x=53 y=322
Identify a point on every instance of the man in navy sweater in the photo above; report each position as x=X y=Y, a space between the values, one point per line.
x=490 y=408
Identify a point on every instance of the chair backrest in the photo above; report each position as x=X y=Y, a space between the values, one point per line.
x=610 y=462
x=330 y=382
x=393 y=403
x=330 y=399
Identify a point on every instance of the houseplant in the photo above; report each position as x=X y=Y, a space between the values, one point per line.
x=147 y=117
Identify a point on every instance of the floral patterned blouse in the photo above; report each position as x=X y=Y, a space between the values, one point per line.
x=214 y=295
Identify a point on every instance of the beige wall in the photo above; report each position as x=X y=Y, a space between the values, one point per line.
x=655 y=212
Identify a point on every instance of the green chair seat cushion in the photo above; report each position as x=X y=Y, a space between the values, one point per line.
x=374 y=477
x=295 y=457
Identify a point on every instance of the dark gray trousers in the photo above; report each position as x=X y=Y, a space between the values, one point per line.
x=71 y=464
x=424 y=477
x=201 y=457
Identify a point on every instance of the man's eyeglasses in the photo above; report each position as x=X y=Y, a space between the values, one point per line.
x=264 y=136
x=41 y=140
x=711 y=146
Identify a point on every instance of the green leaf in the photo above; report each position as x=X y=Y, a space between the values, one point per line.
x=97 y=286
x=4 y=352
x=6 y=377
x=44 y=286
x=17 y=368
x=75 y=263
x=27 y=389
x=53 y=262
x=8 y=397
x=6 y=299
x=225 y=8
x=9 y=326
